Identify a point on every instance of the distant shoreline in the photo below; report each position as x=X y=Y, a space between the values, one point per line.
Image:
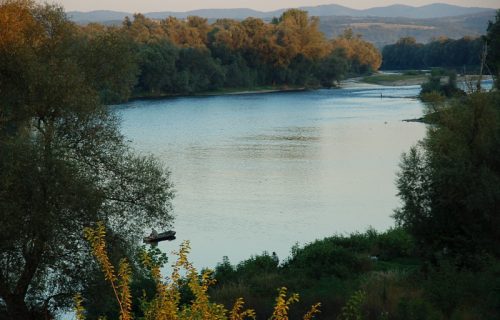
x=257 y=91
x=400 y=79
x=354 y=82
x=377 y=79
x=226 y=92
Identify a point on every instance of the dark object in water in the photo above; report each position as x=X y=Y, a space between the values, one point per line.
x=421 y=120
x=156 y=237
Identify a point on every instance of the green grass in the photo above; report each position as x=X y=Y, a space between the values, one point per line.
x=405 y=264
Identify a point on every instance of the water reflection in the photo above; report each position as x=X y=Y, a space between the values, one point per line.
x=261 y=172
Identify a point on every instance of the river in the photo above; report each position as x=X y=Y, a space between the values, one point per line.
x=262 y=172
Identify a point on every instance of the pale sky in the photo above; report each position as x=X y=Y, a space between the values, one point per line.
x=263 y=5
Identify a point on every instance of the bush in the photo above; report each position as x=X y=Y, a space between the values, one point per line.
x=434 y=84
x=167 y=302
x=264 y=263
x=455 y=291
x=395 y=243
x=416 y=309
x=324 y=258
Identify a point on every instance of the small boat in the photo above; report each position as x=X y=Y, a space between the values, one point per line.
x=156 y=237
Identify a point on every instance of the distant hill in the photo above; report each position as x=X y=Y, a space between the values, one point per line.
x=97 y=16
x=436 y=10
x=382 y=31
x=381 y=25
x=210 y=14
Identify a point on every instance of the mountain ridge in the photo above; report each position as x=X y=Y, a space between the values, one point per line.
x=435 y=10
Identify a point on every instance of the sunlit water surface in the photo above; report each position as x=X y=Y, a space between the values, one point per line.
x=265 y=171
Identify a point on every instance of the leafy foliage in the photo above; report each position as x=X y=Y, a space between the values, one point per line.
x=318 y=271
x=443 y=52
x=449 y=183
x=63 y=164
x=352 y=310
x=172 y=56
x=493 y=41
x=165 y=305
x=435 y=85
x=363 y=57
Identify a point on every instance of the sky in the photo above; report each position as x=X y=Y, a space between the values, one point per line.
x=263 y=5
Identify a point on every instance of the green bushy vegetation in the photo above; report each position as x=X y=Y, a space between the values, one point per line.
x=181 y=296
x=442 y=52
x=435 y=84
x=493 y=52
x=372 y=275
x=328 y=270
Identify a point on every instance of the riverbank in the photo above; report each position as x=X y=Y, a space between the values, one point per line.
x=395 y=79
x=382 y=271
x=223 y=92
x=412 y=78
x=380 y=79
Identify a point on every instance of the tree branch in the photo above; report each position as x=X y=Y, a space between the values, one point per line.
x=32 y=258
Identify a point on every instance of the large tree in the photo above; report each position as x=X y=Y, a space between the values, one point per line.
x=363 y=56
x=450 y=183
x=493 y=41
x=63 y=165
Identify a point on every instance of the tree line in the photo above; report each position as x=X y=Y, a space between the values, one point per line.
x=443 y=52
x=173 y=56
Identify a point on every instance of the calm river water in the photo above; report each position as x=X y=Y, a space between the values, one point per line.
x=265 y=171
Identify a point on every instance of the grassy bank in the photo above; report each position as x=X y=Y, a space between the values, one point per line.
x=382 y=268
x=403 y=79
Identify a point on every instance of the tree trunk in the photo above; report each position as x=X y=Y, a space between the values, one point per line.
x=17 y=308
x=483 y=63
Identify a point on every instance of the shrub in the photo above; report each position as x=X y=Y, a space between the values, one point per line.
x=395 y=243
x=324 y=258
x=165 y=305
x=353 y=309
x=416 y=309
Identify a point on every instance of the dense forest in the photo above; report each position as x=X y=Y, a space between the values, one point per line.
x=459 y=54
x=173 y=56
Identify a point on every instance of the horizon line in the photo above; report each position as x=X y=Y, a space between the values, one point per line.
x=286 y=8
